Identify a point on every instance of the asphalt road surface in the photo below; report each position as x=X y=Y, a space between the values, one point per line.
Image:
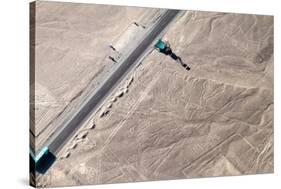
x=72 y=124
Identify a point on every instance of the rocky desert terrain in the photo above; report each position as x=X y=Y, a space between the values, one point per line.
x=72 y=45
x=163 y=122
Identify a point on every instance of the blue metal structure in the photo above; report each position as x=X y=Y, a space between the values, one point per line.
x=160 y=44
x=42 y=161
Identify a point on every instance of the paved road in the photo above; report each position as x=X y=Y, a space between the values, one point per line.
x=68 y=128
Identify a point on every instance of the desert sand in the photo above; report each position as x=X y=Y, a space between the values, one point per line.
x=71 y=55
x=164 y=122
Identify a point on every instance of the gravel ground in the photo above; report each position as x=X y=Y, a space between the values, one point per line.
x=165 y=122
